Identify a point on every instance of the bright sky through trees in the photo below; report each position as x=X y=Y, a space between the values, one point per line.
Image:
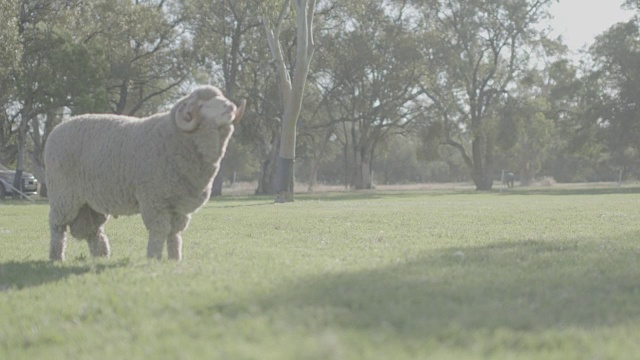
x=580 y=21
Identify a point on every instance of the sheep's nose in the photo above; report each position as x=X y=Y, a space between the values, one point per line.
x=231 y=108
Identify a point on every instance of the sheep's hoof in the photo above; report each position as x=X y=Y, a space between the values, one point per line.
x=99 y=247
x=56 y=253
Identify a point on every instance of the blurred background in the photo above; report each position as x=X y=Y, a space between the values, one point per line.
x=399 y=92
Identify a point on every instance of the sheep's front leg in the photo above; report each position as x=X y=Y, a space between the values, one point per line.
x=174 y=241
x=158 y=223
x=58 y=242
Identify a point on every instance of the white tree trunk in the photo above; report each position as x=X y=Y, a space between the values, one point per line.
x=291 y=89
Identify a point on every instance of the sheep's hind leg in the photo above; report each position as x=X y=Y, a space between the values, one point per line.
x=58 y=230
x=99 y=245
x=174 y=242
x=89 y=225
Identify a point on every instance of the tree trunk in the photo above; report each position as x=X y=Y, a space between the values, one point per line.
x=218 y=181
x=284 y=165
x=361 y=179
x=284 y=180
x=266 y=185
x=291 y=88
x=313 y=177
x=316 y=161
x=39 y=172
x=481 y=172
x=22 y=148
x=526 y=174
x=265 y=182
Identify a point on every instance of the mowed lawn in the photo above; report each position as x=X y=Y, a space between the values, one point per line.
x=551 y=273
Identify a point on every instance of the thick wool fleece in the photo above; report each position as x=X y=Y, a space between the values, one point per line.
x=101 y=165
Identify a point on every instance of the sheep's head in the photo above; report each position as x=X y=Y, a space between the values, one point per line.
x=206 y=104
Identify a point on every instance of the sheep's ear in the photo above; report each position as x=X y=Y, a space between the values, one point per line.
x=187 y=115
x=239 y=112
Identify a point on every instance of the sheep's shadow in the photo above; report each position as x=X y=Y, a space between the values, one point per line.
x=25 y=274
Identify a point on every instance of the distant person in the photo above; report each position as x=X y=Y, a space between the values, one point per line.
x=509 y=179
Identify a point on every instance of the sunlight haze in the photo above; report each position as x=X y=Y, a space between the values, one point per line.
x=580 y=21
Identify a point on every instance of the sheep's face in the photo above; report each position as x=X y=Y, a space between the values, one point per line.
x=206 y=105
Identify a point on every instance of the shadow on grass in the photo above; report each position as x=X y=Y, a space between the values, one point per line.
x=573 y=191
x=448 y=294
x=24 y=274
x=262 y=200
x=377 y=194
x=18 y=202
x=241 y=201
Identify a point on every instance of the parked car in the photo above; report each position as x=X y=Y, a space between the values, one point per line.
x=29 y=183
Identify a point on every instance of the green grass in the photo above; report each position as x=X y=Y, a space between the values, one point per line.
x=527 y=274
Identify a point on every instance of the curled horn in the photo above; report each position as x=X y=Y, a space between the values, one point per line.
x=239 y=112
x=186 y=114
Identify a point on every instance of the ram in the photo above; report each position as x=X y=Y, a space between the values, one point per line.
x=161 y=167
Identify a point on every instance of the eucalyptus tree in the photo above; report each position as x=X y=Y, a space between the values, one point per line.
x=259 y=129
x=224 y=40
x=291 y=84
x=10 y=54
x=473 y=51
x=524 y=129
x=221 y=38
x=47 y=64
x=96 y=56
x=538 y=112
x=616 y=80
x=370 y=74
x=146 y=47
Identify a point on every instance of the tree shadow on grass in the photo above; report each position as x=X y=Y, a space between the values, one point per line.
x=347 y=195
x=520 y=286
x=24 y=274
x=265 y=200
x=574 y=191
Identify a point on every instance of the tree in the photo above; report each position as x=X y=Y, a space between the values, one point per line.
x=148 y=53
x=473 y=50
x=221 y=31
x=291 y=86
x=77 y=57
x=36 y=21
x=531 y=134
x=10 y=55
x=370 y=78
x=616 y=55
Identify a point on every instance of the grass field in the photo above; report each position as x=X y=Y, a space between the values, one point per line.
x=549 y=273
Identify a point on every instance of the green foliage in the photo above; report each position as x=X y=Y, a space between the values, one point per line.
x=548 y=273
x=368 y=73
x=73 y=74
x=10 y=52
x=475 y=53
x=479 y=76
x=617 y=77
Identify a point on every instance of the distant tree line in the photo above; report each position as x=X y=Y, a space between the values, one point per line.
x=398 y=91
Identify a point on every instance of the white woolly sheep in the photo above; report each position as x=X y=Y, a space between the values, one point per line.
x=161 y=166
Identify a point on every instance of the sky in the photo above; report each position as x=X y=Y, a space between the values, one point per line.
x=580 y=21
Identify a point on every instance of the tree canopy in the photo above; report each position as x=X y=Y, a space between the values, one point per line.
x=391 y=91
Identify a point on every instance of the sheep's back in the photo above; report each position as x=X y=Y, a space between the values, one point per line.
x=100 y=160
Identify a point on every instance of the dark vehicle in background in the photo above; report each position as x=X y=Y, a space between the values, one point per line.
x=29 y=184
